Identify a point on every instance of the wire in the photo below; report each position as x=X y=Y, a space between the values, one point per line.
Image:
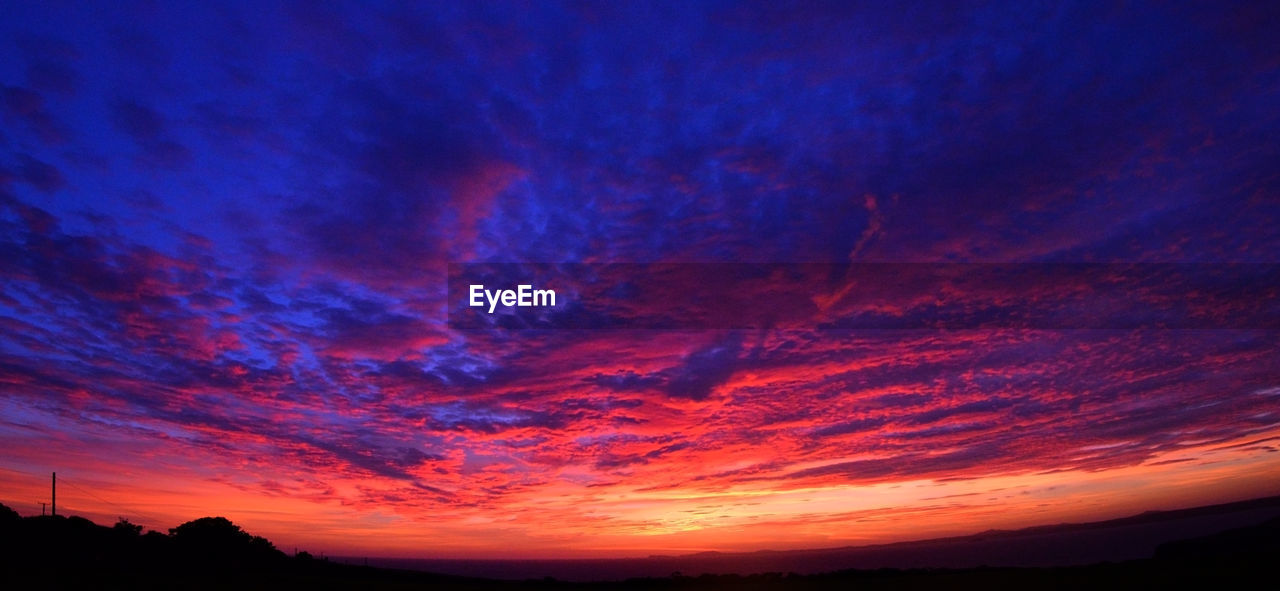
x=63 y=480
x=127 y=510
x=24 y=472
x=32 y=475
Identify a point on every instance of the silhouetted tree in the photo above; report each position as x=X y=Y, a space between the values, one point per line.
x=217 y=540
x=8 y=516
x=124 y=527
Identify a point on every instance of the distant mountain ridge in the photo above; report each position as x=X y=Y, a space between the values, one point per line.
x=1146 y=517
x=1058 y=545
x=214 y=553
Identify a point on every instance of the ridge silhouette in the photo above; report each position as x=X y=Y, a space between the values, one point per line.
x=212 y=552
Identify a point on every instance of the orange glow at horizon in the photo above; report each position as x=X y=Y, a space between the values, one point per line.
x=825 y=275
x=568 y=520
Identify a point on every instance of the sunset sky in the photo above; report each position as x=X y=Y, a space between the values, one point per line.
x=225 y=239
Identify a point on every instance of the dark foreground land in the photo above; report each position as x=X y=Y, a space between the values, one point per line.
x=212 y=553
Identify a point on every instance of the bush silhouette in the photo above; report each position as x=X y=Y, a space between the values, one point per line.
x=217 y=539
x=8 y=516
x=210 y=531
x=125 y=528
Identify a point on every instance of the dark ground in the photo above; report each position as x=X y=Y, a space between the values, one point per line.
x=1060 y=545
x=213 y=553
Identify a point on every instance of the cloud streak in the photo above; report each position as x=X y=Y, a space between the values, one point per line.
x=225 y=244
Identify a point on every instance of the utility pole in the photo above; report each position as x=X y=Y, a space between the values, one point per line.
x=43 y=506
x=55 y=494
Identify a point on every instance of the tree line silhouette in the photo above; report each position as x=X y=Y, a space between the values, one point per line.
x=49 y=551
x=70 y=540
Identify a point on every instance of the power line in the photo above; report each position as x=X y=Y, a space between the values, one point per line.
x=24 y=472
x=43 y=505
x=63 y=480
x=127 y=510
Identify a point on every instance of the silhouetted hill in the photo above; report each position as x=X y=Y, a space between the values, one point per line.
x=1064 y=544
x=1061 y=545
x=1261 y=541
x=212 y=552
x=208 y=544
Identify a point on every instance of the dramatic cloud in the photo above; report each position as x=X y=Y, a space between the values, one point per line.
x=226 y=238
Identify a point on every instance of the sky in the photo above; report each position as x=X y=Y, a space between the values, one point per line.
x=225 y=239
